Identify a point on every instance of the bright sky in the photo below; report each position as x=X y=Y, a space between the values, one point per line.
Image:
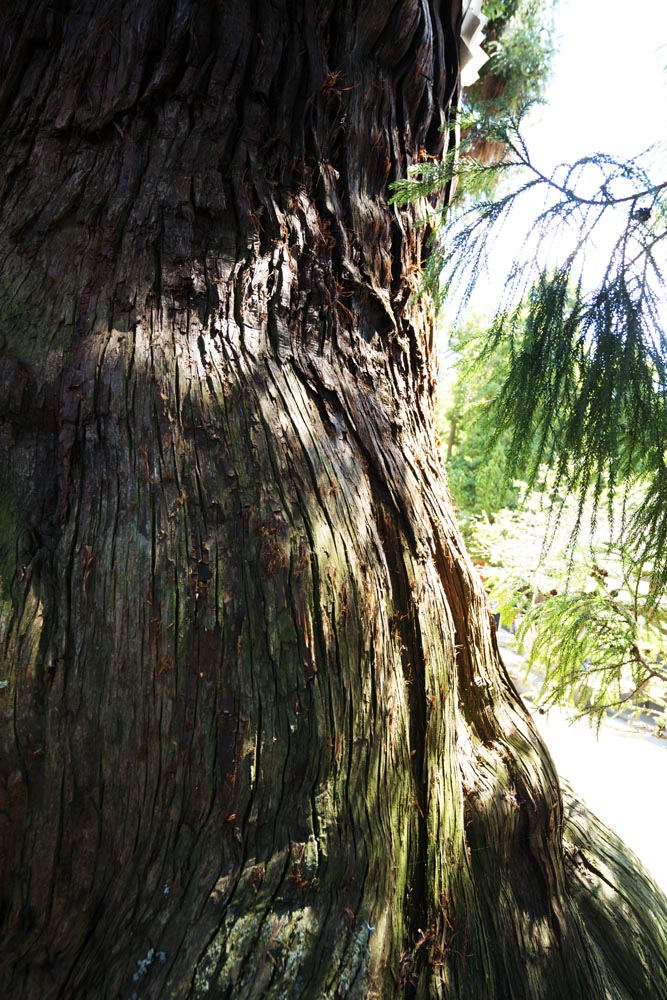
x=609 y=86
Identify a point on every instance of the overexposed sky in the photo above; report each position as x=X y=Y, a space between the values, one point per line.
x=609 y=86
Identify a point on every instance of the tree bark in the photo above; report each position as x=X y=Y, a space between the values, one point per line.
x=257 y=737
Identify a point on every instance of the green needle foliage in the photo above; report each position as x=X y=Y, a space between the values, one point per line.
x=586 y=383
x=598 y=651
x=520 y=40
x=580 y=388
x=595 y=638
x=476 y=474
x=575 y=363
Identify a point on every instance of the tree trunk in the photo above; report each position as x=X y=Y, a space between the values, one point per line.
x=257 y=738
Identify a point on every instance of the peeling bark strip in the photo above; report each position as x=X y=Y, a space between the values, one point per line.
x=256 y=737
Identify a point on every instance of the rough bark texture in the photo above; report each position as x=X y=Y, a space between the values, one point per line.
x=257 y=740
x=619 y=901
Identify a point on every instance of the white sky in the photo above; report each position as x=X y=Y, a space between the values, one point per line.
x=609 y=86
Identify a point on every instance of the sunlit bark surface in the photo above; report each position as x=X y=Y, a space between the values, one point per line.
x=257 y=740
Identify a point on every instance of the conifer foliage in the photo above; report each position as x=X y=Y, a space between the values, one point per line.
x=583 y=314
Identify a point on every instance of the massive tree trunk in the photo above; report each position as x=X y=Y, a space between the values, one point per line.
x=257 y=739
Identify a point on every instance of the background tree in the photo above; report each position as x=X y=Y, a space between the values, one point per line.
x=520 y=41
x=477 y=471
x=257 y=739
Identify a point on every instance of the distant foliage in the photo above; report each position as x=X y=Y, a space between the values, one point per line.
x=595 y=638
x=600 y=651
x=477 y=471
x=586 y=382
x=520 y=40
x=571 y=377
